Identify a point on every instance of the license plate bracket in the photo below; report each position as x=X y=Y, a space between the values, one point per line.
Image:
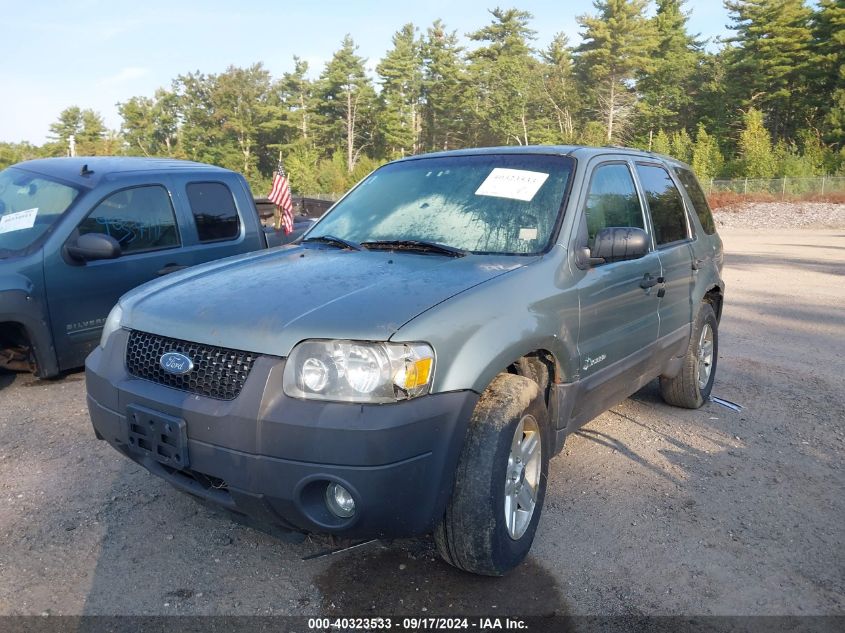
x=160 y=436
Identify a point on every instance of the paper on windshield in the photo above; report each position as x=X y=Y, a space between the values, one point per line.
x=516 y=184
x=18 y=220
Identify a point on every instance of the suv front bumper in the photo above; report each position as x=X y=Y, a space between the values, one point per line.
x=271 y=457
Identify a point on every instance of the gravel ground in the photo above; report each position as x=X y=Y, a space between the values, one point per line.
x=781 y=215
x=650 y=510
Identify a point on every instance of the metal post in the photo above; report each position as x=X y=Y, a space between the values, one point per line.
x=709 y=193
x=823 y=185
x=745 y=191
x=783 y=189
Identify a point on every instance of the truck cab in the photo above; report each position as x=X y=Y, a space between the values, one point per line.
x=77 y=233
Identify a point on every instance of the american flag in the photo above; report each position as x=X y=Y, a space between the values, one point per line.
x=280 y=196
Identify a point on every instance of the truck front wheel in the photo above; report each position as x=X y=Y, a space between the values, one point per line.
x=500 y=482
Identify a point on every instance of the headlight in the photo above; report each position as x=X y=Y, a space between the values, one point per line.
x=352 y=371
x=111 y=325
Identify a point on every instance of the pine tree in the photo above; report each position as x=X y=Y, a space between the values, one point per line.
x=828 y=26
x=668 y=89
x=706 y=158
x=769 y=62
x=296 y=93
x=345 y=103
x=443 y=89
x=558 y=85
x=85 y=126
x=150 y=126
x=401 y=79
x=617 y=45
x=503 y=74
x=756 y=154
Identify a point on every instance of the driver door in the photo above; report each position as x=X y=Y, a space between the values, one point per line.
x=81 y=294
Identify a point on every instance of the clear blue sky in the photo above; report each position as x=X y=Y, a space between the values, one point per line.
x=95 y=53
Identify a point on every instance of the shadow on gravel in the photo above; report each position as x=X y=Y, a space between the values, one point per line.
x=408 y=578
x=738 y=260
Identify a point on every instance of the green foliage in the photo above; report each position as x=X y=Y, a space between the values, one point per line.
x=706 y=159
x=756 y=154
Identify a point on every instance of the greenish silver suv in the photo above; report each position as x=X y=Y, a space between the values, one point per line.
x=411 y=364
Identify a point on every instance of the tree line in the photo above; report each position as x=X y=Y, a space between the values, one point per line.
x=766 y=102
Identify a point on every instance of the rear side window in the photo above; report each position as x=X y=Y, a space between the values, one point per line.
x=665 y=203
x=140 y=219
x=699 y=200
x=612 y=200
x=214 y=211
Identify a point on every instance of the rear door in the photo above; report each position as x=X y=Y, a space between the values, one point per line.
x=672 y=237
x=142 y=218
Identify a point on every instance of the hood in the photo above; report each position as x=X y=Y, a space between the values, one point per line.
x=267 y=303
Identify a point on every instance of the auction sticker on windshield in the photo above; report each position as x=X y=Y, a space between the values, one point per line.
x=516 y=184
x=18 y=220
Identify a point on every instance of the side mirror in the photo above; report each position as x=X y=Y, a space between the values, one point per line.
x=613 y=244
x=93 y=246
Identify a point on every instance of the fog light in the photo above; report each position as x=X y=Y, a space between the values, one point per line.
x=340 y=501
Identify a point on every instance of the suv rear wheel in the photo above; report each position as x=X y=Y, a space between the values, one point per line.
x=691 y=387
x=500 y=482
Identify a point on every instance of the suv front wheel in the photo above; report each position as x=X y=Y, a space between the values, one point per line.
x=691 y=387
x=500 y=482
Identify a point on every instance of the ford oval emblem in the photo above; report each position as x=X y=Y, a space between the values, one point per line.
x=176 y=363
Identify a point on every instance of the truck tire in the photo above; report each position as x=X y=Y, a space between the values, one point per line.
x=691 y=387
x=500 y=482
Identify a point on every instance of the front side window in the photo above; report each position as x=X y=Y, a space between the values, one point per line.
x=140 y=219
x=29 y=205
x=612 y=200
x=214 y=211
x=491 y=203
x=699 y=200
x=664 y=203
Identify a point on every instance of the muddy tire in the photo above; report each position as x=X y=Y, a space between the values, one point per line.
x=691 y=387
x=500 y=482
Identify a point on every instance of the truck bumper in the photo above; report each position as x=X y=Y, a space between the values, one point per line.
x=271 y=457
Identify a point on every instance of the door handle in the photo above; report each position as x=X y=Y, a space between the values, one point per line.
x=170 y=268
x=697 y=263
x=649 y=282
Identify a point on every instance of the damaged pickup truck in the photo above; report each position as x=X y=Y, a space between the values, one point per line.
x=77 y=233
x=412 y=363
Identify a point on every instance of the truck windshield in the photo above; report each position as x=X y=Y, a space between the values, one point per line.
x=489 y=203
x=29 y=205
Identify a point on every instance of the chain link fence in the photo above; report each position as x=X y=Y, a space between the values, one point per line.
x=778 y=186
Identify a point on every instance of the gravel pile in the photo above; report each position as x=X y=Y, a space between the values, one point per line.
x=781 y=215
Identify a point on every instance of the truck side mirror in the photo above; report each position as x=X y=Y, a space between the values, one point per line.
x=615 y=243
x=91 y=246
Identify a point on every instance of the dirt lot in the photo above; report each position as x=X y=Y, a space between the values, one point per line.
x=651 y=510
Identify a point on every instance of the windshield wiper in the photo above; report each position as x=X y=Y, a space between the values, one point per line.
x=335 y=241
x=421 y=246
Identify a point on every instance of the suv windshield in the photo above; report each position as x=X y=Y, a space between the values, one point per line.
x=495 y=203
x=29 y=205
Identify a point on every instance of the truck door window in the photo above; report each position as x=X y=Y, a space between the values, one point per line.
x=140 y=219
x=665 y=203
x=214 y=211
x=612 y=200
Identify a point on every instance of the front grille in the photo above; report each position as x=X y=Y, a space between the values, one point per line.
x=218 y=372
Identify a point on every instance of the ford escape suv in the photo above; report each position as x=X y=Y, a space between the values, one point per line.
x=411 y=364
